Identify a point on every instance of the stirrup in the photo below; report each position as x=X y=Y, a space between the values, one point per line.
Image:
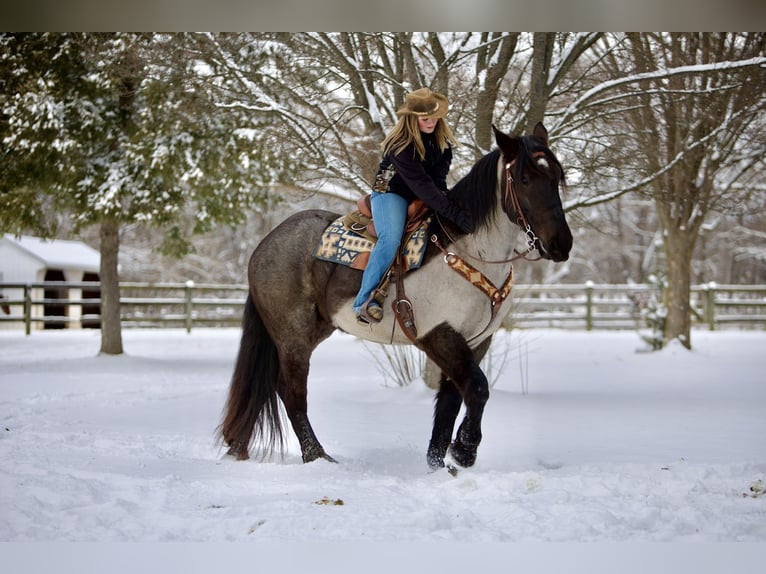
x=371 y=313
x=372 y=310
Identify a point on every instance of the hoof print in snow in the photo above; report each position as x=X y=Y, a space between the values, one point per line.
x=324 y=501
x=756 y=489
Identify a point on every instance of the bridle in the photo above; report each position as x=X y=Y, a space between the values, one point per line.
x=511 y=196
x=496 y=295
x=511 y=204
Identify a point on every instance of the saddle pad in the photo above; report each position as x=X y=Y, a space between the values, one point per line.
x=339 y=244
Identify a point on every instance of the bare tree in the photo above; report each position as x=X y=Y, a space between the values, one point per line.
x=689 y=111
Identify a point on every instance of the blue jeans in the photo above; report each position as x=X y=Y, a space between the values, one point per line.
x=389 y=211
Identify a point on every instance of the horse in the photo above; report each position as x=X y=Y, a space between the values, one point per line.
x=295 y=301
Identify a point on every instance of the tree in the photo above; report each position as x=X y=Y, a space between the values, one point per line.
x=112 y=129
x=327 y=99
x=695 y=141
x=635 y=118
x=593 y=116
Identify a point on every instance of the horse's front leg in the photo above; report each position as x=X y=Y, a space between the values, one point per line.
x=468 y=437
x=446 y=409
x=461 y=379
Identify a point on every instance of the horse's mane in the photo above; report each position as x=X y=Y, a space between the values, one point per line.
x=476 y=191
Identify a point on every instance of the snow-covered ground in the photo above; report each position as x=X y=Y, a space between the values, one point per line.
x=586 y=439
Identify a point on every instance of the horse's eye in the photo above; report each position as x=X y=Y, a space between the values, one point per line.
x=524 y=180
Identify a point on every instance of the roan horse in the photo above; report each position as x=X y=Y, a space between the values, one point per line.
x=296 y=301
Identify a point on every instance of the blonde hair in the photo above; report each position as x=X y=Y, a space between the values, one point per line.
x=406 y=132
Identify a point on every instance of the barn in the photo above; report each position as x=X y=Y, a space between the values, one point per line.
x=26 y=260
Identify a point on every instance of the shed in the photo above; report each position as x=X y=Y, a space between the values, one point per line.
x=25 y=260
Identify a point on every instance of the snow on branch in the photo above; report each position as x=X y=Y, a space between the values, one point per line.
x=587 y=98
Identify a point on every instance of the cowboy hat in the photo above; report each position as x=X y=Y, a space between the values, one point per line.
x=424 y=103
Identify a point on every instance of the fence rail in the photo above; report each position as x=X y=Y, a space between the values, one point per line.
x=58 y=304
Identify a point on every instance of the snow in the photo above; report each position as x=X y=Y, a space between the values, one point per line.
x=58 y=252
x=586 y=439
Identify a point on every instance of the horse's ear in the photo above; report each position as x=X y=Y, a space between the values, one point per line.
x=508 y=145
x=540 y=132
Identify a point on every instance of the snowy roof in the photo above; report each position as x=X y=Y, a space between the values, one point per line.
x=59 y=253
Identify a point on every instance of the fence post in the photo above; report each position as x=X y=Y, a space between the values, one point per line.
x=710 y=305
x=188 y=306
x=589 y=305
x=28 y=309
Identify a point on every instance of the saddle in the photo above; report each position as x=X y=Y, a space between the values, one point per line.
x=361 y=221
x=350 y=238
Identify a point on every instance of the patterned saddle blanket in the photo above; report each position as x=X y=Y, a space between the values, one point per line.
x=346 y=241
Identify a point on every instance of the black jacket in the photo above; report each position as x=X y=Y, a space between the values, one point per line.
x=426 y=179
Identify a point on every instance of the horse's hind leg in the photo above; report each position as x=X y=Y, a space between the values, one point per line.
x=293 y=390
x=462 y=380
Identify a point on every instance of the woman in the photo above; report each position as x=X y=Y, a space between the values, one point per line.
x=416 y=158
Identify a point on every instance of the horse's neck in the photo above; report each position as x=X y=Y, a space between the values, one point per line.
x=498 y=239
x=493 y=243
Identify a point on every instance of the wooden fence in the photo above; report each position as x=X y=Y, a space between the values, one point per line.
x=51 y=304
x=590 y=306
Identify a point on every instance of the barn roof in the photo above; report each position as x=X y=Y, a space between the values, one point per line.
x=59 y=253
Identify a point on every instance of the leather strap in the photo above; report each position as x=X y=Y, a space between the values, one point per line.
x=401 y=305
x=476 y=278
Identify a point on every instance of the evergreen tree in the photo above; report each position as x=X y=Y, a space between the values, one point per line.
x=121 y=128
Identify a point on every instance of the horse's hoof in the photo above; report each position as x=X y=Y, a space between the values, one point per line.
x=311 y=456
x=435 y=460
x=237 y=452
x=462 y=455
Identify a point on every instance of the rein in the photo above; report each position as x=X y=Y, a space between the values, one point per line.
x=509 y=196
x=496 y=295
x=521 y=220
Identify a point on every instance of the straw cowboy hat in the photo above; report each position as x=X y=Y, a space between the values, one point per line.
x=424 y=103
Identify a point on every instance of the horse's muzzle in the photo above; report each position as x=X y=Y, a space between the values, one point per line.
x=557 y=250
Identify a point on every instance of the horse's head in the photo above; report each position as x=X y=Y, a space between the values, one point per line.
x=531 y=193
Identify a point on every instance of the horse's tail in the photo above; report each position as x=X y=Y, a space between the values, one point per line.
x=252 y=409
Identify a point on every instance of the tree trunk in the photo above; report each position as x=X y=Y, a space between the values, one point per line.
x=542 y=52
x=492 y=64
x=678 y=249
x=111 y=333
